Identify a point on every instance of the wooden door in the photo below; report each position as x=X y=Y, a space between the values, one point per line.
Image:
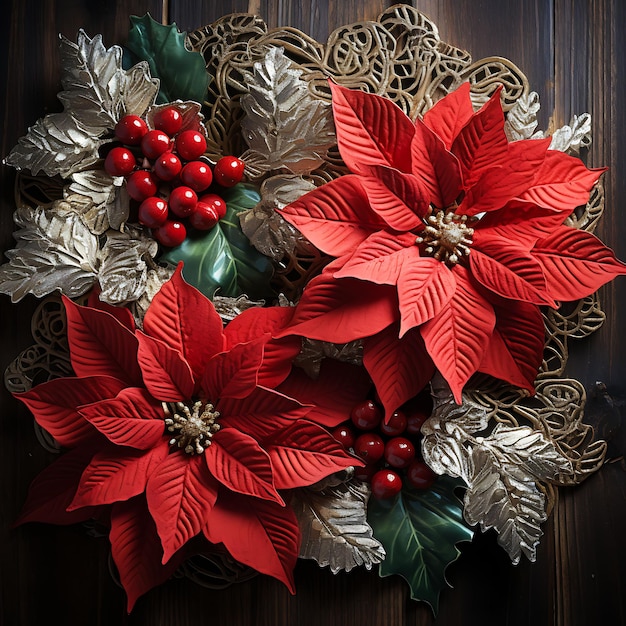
x=572 y=52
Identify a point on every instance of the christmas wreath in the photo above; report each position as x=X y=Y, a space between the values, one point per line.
x=302 y=301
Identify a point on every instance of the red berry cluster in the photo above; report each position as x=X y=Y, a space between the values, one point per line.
x=166 y=175
x=389 y=448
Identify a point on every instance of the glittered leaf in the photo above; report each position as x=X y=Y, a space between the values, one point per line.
x=182 y=72
x=420 y=531
x=223 y=260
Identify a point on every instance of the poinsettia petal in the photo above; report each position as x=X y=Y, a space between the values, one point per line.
x=425 y=285
x=515 y=350
x=180 y=497
x=237 y=461
x=116 y=474
x=54 y=405
x=562 y=183
x=304 y=453
x=335 y=217
x=278 y=353
x=448 y=116
x=398 y=198
x=261 y=534
x=482 y=141
x=130 y=419
x=509 y=271
x=53 y=489
x=186 y=320
x=400 y=368
x=371 y=130
x=167 y=376
x=576 y=263
x=342 y=310
x=457 y=338
x=136 y=550
x=100 y=344
x=506 y=180
x=436 y=168
x=234 y=374
x=121 y=313
x=332 y=395
x=380 y=258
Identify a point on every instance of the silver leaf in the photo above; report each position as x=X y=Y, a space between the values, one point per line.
x=55 y=251
x=334 y=527
x=572 y=138
x=505 y=498
x=284 y=126
x=229 y=308
x=521 y=120
x=313 y=352
x=123 y=272
x=155 y=279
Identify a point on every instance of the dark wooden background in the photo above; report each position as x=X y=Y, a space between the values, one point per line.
x=574 y=55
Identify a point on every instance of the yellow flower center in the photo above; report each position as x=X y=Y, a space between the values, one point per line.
x=193 y=428
x=446 y=236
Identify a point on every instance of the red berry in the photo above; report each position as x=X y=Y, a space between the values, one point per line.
x=168 y=119
x=190 y=144
x=399 y=452
x=153 y=212
x=366 y=472
x=170 y=234
x=183 y=201
x=419 y=475
x=154 y=143
x=344 y=435
x=370 y=447
x=203 y=217
x=167 y=166
x=366 y=415
x=130 y=129
x=395 y=425
x=414 y=422
x=213 y=200
x=141 y=185
x=228 y=171
x=385 y=484
x=197 y=175
x=119 y=162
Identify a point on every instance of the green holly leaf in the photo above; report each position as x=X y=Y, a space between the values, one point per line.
x=419 y=531
x=222 y=259
x=182 y=72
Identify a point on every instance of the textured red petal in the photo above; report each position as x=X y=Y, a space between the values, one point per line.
x=332 y=394
x=576 y=263
x=482 y=142
x=400 y=368
x=184 y=319
x=436 y=168
x=258 y=533
x=54 y=405
x=343 y=310
x=371 y=130
x=180 y=497
x=122 y=314
x=117 y=474
x=457 y=338
x=563 y=182
x=167 y=376
x=304 y=453
x=448 y=116
x=398 y=198
x=136 y=550
x=53 y=489
x=100 y=344
x=234 y=374
x=335 y=217
x=237 y=461
x=425 y=286
x=509 y=271
x=133 y=418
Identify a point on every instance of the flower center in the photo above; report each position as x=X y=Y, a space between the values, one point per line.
x=194 y=427
x=446 y=236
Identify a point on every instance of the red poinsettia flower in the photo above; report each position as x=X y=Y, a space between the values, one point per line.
x=448 y=238
x=180 y=428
